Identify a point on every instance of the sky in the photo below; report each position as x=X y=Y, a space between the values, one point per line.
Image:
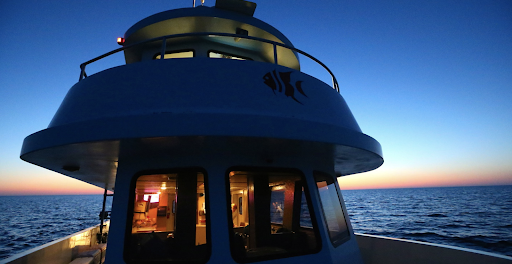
x=430 y=80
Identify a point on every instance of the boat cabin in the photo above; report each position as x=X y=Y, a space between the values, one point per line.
x=217 y=147
x=227 y=31
x=270 y=215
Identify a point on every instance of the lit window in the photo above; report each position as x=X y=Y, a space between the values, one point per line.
x=215 y=54
x=270 y=215
x=176 y=55
x=331 y=206
x=152 y=198
x=169 y=224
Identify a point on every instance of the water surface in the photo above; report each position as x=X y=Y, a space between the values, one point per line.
x=471 y=217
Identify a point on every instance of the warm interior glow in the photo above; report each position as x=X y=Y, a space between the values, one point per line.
x=177 y=226
x=176 y=55
x=152 y=198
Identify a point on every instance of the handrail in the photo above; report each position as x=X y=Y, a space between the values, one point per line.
x=219 y=34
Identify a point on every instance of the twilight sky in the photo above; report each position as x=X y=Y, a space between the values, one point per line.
x=430 y=80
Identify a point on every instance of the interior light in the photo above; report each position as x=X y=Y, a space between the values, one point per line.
x=278 y=187
x=120 y=41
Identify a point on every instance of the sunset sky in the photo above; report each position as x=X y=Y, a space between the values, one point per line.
x=430 y=80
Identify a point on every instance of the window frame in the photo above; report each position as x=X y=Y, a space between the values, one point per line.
x=335 y=241
x=131 y=204
x=307 y=193
x=227 y=54
x=175 y=51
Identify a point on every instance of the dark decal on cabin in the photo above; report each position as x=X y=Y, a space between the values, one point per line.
x=273 y=80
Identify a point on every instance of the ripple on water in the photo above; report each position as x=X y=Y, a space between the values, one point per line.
x=471 y=217
x=30 y=221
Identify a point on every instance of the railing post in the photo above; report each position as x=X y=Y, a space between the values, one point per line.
x=162 y=51
x=164 y=46
x=102 y=214
x=82 y=72
x=275 y=53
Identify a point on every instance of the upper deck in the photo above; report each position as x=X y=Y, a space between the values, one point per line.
x=211 y=20
x=199 y=73
x=208 y=32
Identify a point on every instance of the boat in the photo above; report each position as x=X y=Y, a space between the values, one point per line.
x=217 y=149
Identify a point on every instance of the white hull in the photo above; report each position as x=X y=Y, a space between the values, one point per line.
x=384 y=250
x=374 y=250
x=60 y=251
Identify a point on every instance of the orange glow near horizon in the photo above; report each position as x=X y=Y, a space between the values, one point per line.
x=47 y=183
x=51 y=183
x=387 y=180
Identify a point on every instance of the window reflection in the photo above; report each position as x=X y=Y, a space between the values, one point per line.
x=331 y=207
x=270 y=215
x=221 y=55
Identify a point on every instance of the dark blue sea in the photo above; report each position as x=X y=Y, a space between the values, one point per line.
x=472 y=217
x=30 y=221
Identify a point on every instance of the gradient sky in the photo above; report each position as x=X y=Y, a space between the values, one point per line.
x=430 y=80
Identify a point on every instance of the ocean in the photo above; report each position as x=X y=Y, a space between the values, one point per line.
x=471 y=217
x=30 y=221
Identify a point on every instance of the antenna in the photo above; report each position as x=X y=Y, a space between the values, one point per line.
x=194 y=3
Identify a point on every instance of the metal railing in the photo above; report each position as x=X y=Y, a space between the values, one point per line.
x=199 y=34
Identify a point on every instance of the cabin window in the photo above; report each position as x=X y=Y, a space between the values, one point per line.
x=169 y=220
x=271 y=215
x=331 y=207
x=222 y=55
x=175 y=55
